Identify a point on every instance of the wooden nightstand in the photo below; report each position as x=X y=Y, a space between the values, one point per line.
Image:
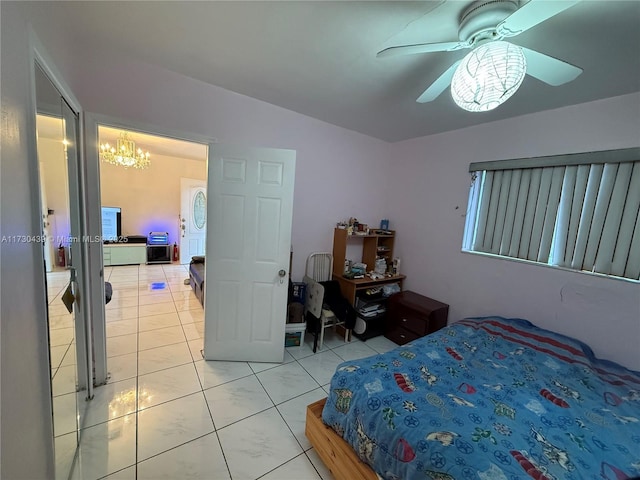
x=411 y=316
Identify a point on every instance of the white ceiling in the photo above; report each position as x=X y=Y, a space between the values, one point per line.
x=318 y=58
x=51 y=127
x=155 y=145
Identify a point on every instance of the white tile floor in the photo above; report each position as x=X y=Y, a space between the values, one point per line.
x=168 y=414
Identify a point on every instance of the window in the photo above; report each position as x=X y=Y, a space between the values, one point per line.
x=579 y=211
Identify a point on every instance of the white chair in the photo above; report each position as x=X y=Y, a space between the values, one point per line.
x=319 y=268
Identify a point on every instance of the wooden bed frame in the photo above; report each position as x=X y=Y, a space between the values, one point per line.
x=337 y=455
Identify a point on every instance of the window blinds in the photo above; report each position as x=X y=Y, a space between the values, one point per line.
x=574 y=211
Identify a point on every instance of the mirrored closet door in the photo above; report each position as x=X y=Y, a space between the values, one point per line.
x=58 y=162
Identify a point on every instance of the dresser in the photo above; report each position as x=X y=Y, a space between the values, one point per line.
x=411 y=315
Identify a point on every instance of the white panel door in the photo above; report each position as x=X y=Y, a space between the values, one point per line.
x=250 y=204
x=193 y=218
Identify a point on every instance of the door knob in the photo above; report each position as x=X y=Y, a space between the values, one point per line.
x=282 y=274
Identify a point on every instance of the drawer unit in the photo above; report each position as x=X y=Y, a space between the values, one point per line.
x=400 y=335
x=124 y=254
x=411 y=316
x=106 y=256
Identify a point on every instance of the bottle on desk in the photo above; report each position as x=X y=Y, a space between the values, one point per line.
x=395 y=267
x=347 y=266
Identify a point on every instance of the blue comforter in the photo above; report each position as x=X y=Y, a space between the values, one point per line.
x=490 y=399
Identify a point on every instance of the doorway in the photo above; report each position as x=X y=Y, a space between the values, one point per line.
x=141 y=212
x=149 y=199
x=193 y=218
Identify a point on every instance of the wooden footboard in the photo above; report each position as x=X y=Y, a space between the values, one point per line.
x=337 y=455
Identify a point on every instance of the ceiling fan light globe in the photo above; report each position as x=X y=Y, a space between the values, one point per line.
x=488 y=76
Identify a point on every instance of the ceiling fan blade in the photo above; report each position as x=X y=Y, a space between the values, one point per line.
x=531 y=14
x=548 y=69
x=422 y=48
x=439 y=86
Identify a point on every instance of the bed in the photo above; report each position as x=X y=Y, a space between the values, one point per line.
x=485 y=398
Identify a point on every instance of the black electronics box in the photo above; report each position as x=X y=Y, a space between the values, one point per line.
x=136 y=239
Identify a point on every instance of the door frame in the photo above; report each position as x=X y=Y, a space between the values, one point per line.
x=93 y=215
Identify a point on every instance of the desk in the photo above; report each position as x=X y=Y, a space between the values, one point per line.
x=350 y=287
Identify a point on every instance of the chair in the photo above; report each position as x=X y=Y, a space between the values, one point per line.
x=318 y=270
x=108 y=292
x=319 y=266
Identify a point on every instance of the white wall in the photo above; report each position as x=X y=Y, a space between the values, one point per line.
x=430 y=187
x=149 y=198
x=339 y=173
x=56 y=181
x=26 y=447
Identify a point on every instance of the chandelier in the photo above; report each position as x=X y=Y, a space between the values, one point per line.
x=124 y=153
x=488 y=76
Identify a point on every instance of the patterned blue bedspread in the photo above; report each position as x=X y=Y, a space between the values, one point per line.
x=490 y=399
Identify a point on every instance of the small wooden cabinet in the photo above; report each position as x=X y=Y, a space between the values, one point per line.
x=411 y=315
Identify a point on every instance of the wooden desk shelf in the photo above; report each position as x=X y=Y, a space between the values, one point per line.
x=350 y=287
x=373 y=246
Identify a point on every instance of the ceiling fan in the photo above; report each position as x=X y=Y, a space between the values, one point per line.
x=494 y=69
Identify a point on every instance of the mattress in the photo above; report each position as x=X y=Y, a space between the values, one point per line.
x=489 y=399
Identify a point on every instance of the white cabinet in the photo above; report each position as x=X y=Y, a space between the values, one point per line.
x=124 y=254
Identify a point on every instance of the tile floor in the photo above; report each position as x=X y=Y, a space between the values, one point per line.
x=168 y=414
